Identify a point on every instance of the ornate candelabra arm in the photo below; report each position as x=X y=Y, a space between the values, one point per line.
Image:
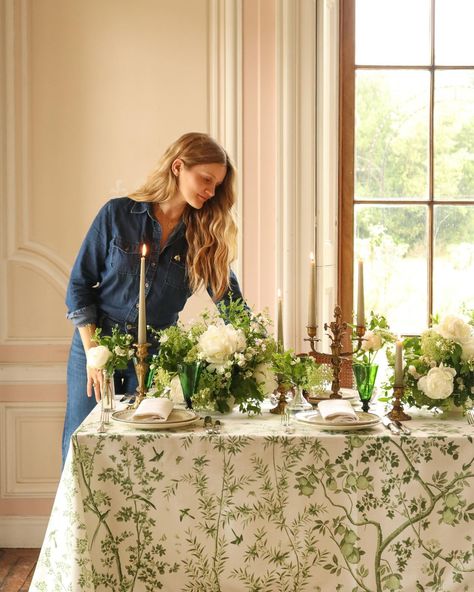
x=360 y=332
x=141 y=370
x=338 y=329
x=312 y=337
x=397 y=412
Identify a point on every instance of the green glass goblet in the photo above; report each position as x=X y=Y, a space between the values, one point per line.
x=189 y=378
x=365 y=375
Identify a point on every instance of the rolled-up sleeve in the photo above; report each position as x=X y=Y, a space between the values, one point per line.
x=81 y=295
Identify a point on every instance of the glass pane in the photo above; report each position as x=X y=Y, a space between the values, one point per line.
x=453 y=33
x=453 y=266
x=391 y=134
x=454 y=135
x=392 y=33
x=392 y=242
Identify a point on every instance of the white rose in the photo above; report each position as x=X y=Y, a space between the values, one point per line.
x=97 y=357
x=265 y=377
x=119 y=351
x=371 y=341
x=438 y=383
x=468 y=350
x=219 y=343
x=454 y=328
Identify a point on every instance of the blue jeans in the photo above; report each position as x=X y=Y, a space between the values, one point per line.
x=79 y=405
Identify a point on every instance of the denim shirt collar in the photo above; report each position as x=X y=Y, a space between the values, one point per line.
x=146 y=207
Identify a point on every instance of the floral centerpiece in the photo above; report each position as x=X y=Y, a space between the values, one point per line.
x=234 y=358
x=439 y=365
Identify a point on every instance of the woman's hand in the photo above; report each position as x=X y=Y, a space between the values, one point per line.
x=94 y=382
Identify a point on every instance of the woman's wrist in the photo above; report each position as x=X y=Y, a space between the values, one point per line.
x=87 y=336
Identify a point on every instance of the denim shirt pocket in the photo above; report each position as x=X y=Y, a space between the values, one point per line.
x=125 y=256
x=176 y=275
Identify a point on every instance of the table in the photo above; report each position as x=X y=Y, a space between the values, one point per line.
x=257 y=509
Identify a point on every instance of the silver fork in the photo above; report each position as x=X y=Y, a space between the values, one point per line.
x=470 y=416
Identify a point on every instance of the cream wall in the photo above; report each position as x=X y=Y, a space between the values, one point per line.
x=91 y=94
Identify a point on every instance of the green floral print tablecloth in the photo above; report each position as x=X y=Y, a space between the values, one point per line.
x=258 y=510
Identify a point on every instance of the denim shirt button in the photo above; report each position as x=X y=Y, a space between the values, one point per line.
x=146 y=285
x=129 y=326
x=153 y=264
x=137 y=305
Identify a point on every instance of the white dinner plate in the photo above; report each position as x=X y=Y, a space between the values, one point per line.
x=366 y=420
x=178 y=418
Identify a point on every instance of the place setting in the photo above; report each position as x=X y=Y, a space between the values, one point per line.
x=155 y=414
x=338 y=415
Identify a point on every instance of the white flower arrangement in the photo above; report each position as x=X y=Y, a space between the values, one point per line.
x=440 y=365
x=234 y=352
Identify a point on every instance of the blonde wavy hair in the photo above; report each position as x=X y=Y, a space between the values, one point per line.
x=211 y=231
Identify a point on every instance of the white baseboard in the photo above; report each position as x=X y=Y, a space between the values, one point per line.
x=22 y=531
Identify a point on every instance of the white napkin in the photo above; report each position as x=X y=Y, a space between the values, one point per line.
x=337 y=411
x=154 y=408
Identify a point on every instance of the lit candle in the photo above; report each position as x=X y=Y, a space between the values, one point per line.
x=312 y=292
x=141 y=301
x=360 y=297
x=399 y=363
x=280 y=320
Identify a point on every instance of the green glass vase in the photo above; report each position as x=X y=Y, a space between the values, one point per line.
x=189 y=378
x=365 y=375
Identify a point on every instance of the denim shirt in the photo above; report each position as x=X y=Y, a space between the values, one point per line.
x=104 y=284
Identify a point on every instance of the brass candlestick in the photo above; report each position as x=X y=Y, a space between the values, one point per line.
x=282 y=402
x=141 y=370
x=397 y=412
x=312 y=330
x=338 y=328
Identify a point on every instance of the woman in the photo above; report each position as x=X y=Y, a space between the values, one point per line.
x=183 y=214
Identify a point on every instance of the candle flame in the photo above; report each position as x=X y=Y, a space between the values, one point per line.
x=279 y=293
x=311 y=256
x=143 y=250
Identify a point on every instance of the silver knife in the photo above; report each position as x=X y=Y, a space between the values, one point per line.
x=402 y=427
x=388 y=423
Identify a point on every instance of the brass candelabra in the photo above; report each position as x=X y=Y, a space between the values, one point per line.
x=338 y=329
x=141 y=370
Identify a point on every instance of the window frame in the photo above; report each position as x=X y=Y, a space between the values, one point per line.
x=347 y=202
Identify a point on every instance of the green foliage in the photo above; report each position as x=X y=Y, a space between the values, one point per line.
x=296 y=370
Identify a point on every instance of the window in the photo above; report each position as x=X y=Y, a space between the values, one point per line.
x=407 y=157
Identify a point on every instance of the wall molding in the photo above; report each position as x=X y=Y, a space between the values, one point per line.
x=22 y=531
x=16 y=166
x=19 y=478
x=327 y=137
x=225 y=91
x=296 y=157
x=307 y=160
